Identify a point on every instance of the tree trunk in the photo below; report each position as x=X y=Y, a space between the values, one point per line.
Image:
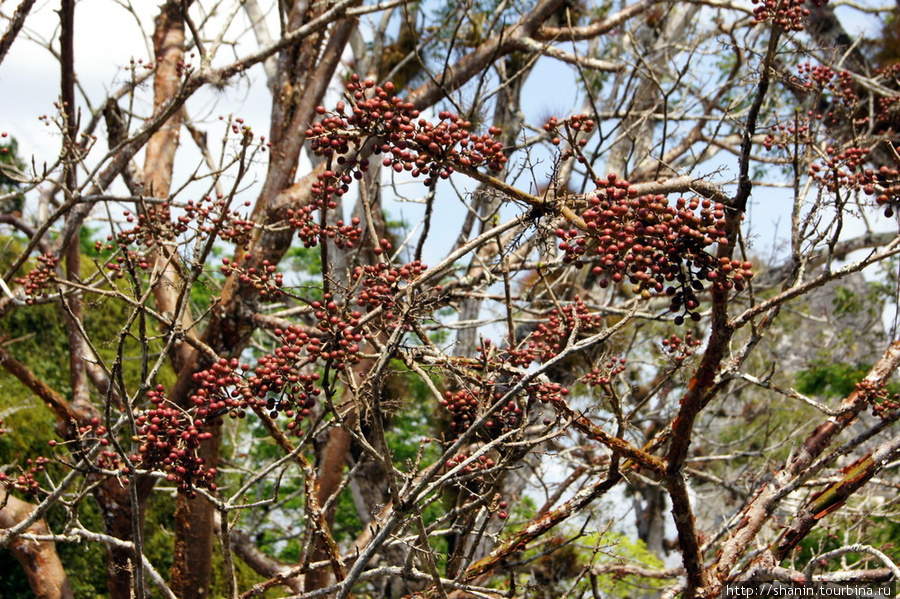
x=40 y=561
x=194 y=536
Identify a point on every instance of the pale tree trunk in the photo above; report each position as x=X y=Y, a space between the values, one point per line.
x=194 y=518
x=40 y=561
x=303 y=74
x=159 y=163
x=633 y=148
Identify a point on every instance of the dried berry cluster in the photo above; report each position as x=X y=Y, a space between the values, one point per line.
x=788 y=14
x=575 y=130
x=266 y=279
x=278 y=382
x=154 y=225
x=410 y=143
x=313 y=233
x=342 y=333
x=883 y=403
x=552 y=335
x=797 y=133
x=659 y=248
x=38 y=281
x=547 y=392
x=681 y=347
x=846 y=170
x=213 y=216
x=26 y=481
x=814 y=76
x=465 y=406
x=381 y=282
x=168 y=442
x=603 y=375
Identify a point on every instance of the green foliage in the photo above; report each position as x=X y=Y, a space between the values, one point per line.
x=847 y=302
x=877 y=531
x=246 y=578
x=85 y=563
x=36 y=336
x=414 y=415
x=13 y=583
x=347 y=524
x=557 y=567
x=307 y=261
x=10 y=162
x=617 y=547
x=831 y=379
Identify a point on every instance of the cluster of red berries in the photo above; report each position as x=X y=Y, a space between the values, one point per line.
x=279 y=383
x=266 y=279
x=883 y=403
x=552 y=334
x=276 y=384
x=814 y=76
x=840 y=85
x=153 y=225
x=213 y=216
x=654 y=244
x=182 y=68
x=328 y=185
x=843 y=169
x=108 y=459
x=502 y=506
x=603 y=375
x=238 y=127
x=169 y=439
x=126 y=260
x=465 y=406
x=93 y=428
x=26 y=481
x=788 y=135
x=342 y=333
x=482 y=463
x=94 y=433
x=889 y=188
x=680 y=348
x=220 y=389
x=789 y=14
x=40 y=279
x=381 y=282
x=843 y=89
x=547 y=392
x=888 y=107
x=410 y=143
x=843 y=102
x=846 y=169
x=575 y=130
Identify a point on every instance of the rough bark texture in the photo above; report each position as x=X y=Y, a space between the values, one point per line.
x=39 y=559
